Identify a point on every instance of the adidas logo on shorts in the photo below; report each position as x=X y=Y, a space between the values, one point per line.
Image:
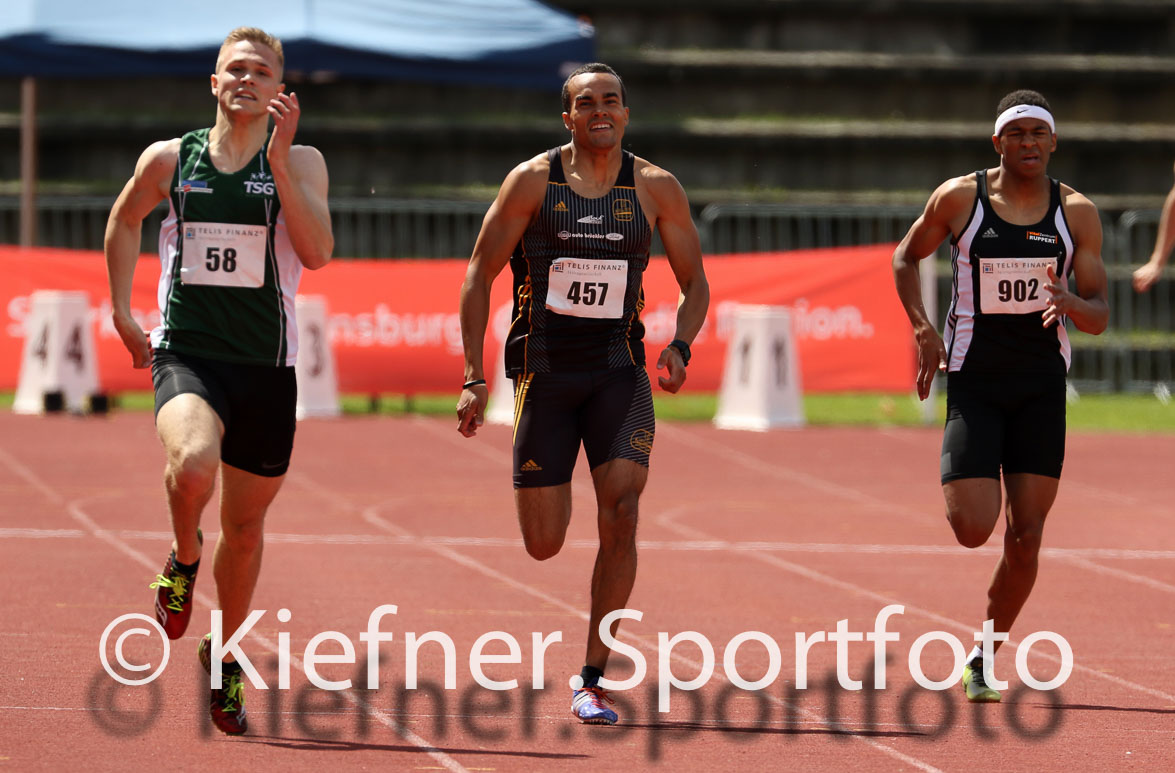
x=990 y=234
x=530 y=466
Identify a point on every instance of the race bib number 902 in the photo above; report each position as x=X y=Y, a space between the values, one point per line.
x=1014 y=285
x=587 y=288
x=224 y=254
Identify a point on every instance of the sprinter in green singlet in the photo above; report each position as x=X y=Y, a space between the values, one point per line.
x=248 y=211
x=575 y=223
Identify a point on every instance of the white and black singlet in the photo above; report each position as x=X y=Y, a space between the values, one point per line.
x=994 y=322
x=1006 y=371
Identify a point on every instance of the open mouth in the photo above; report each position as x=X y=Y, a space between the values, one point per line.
x=599 y=126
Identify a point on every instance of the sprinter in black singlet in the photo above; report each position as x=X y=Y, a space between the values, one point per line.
x=1017 y=238
x=575 y=224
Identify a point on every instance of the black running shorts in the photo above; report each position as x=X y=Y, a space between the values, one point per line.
x=256 y=403
x=609 y=411
x=994 y=421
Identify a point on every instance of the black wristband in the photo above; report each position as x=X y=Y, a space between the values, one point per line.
x=475 y=382
x=683 y=348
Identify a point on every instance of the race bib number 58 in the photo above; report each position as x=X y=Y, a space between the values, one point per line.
x=1013 y=285
x=224 y=254
x=587 y=288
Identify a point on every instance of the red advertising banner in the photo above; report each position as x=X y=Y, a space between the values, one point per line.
x=394 y=324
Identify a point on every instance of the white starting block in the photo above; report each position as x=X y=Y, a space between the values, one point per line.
x=318 y=385
x=58 y=368
x=761 y=379
x=501 y=407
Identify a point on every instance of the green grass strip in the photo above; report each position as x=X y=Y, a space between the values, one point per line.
x=1090 y=412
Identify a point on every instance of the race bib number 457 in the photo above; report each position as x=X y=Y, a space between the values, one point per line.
x=1013 y=285
x=587 y=288
x=224 y=254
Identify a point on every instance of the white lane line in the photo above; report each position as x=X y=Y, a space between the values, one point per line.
x=371 y=515
x=699 y=545
x=76 y=511
x=858 y=590
x=788 y=475
x=1121 y=574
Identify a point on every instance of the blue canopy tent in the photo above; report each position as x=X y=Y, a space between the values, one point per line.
x=519 y=43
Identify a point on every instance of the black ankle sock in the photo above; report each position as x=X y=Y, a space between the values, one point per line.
x=590 y=675
x=230 y=667
x=188 y=569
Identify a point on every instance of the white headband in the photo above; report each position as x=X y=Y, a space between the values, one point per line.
x=1016 y=112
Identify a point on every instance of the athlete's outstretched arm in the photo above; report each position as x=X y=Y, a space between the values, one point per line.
x=501 y=230
x=124 y=233
x=1088 y=307
x=300 y=176
x=1146 y=275
x=684 y=249
x=923 y=238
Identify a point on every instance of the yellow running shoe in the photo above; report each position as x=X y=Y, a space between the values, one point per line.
x=974 y=685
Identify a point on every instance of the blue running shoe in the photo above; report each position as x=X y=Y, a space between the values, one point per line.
x=588 y=705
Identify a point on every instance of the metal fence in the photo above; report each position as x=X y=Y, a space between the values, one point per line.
x=727 y=228
x=367 y=228
x=1135 y=354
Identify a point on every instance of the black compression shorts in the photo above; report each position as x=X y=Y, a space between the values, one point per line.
x=256 y=404
x=1015 y=422
x=610 y=411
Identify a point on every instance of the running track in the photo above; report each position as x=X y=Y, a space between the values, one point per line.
x=779 y=533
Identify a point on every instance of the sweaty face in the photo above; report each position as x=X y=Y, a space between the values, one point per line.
x=598 y=116
x=248 y=75
x=1026 y=145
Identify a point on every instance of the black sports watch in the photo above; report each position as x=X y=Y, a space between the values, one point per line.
x=683 y=348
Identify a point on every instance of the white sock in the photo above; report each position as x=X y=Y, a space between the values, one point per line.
x=975 y=653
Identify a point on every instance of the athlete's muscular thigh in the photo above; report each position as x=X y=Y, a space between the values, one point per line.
x=973 y=508
x=619 y=480
x=189 y=428
x=543 y=515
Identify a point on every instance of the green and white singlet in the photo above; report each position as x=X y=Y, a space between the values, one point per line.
x=230 y=274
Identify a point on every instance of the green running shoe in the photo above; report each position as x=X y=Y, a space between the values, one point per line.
x=974 y=685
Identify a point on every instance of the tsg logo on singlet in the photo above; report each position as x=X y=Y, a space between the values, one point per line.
x=259 y=184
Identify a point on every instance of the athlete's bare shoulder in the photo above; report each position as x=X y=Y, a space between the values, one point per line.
x=161 y=154
x=952 y=201
x=537 y=167
x=660 y=193
x=524 y=187
x=306 y=155
x=1074 y=200
x=156 y=166
x=653 y=175
x=958 y=189
x=1079 y=210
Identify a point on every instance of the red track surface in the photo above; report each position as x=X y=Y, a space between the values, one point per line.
x=778 y=532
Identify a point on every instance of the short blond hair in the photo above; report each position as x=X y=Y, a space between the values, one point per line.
x=253 y=35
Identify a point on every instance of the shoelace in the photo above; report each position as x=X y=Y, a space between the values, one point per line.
x=597 y=693
x=178 y=583
x=977 y=675
x=234 y=694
